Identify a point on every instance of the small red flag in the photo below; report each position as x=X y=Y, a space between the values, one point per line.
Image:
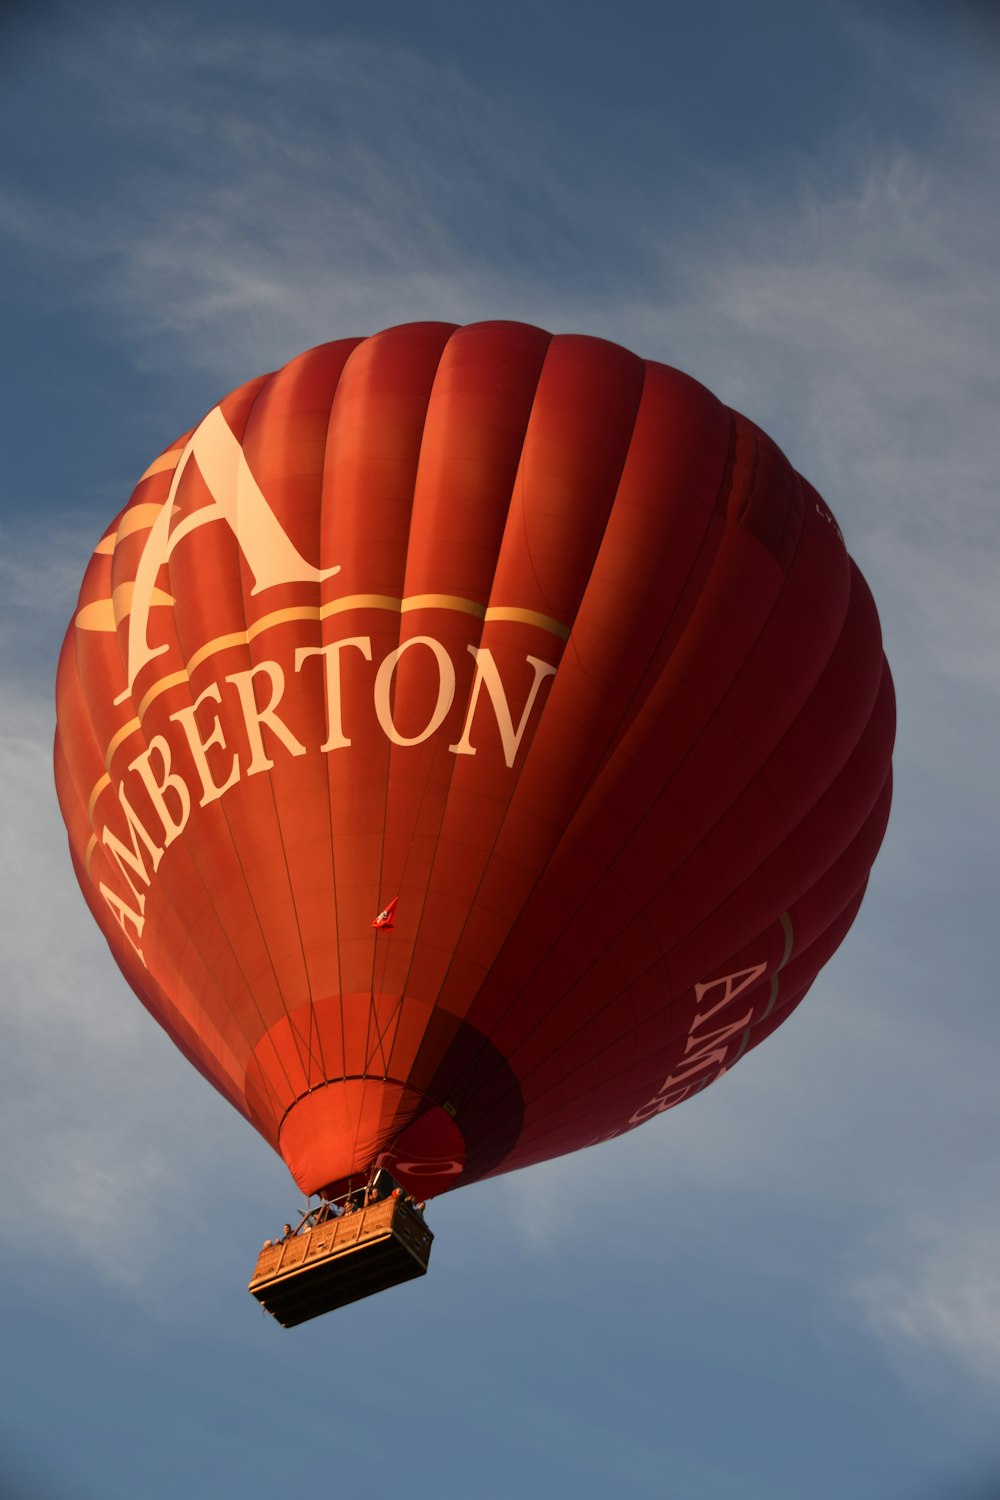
x=384 y=919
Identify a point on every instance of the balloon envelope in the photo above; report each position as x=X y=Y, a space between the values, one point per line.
x=472 y=742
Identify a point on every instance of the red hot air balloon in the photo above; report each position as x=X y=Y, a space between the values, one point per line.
x=527 y=634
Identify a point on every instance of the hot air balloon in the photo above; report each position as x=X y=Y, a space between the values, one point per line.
x=472 y=741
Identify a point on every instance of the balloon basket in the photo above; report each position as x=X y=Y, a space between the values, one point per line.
x=341 y=1260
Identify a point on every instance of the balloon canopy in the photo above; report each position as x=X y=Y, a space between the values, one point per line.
x=472 y=741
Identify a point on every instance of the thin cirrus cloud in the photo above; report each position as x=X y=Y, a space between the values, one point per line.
x=392 y=212
x=934 y=1289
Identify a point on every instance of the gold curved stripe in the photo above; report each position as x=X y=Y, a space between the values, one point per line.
x=243 y=637
x=173 y=680
x=136 y=518
x=99 y=615
x=443 y=601
x=789 y=931
x=118 y=737
x=360 y=601
x=528 y=617
x=235 y=638
x=91 y=846
x=106 y=614
x=281 y=617
x=139 y=517
x=99 y=787
x=159 y=465
x=121 y=600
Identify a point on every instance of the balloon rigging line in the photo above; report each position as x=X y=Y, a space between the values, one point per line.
x=325 y=515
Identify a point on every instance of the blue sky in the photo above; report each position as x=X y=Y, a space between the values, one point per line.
x=788 y=1289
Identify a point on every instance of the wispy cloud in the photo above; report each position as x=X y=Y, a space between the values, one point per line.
x=934 y=1290
x=248 y=233
x=861 y=332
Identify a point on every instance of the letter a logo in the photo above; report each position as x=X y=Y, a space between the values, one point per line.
x=236 y=499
